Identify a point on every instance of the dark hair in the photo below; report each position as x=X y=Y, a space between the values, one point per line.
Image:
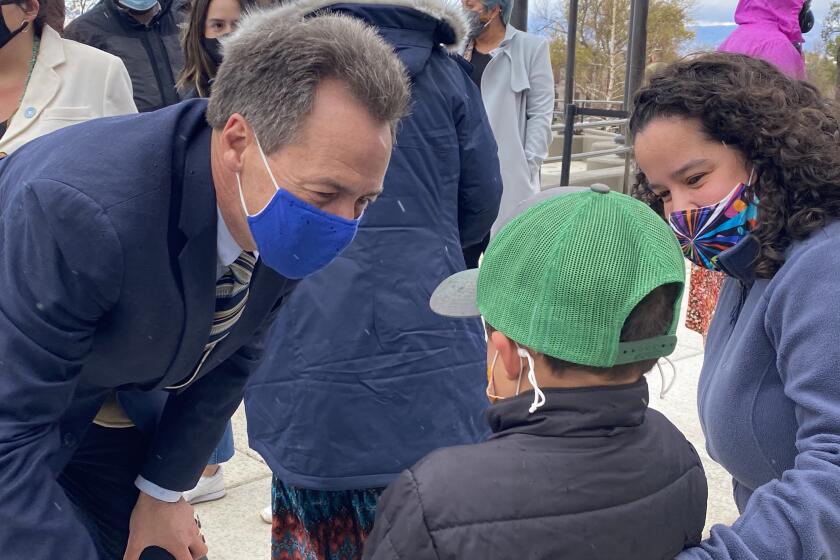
x=784 y=127
x=651 y=317
x=199 y=68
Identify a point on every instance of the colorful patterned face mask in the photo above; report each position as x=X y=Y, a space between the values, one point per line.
x=704 y=233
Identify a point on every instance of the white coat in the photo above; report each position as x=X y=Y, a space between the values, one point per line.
x=70 y=83
x=517 y=88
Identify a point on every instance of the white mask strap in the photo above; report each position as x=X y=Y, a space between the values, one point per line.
x=666 y=387
x=270 y=174
x=241 y=196
x=265 y=162
x=491 y=381
x=539 y=396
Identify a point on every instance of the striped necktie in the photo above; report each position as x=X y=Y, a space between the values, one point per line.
x=231 y=296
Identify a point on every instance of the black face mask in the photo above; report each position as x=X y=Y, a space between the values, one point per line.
x=7 y=34
x=806 y=18
x=213 y=49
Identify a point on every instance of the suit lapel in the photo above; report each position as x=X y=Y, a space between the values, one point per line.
x=43 y=85
x=267 y=287
x=194 y=208
x=193 y=238
x=240 y=333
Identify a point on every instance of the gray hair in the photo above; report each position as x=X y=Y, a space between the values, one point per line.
x=275 y=61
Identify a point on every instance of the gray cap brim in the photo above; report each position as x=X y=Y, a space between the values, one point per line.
x=455 y=296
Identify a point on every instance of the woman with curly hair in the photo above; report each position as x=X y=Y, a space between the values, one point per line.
x=745 y=165
x=770 y=30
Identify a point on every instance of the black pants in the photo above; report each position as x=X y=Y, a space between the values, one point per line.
x=99 y=481
x=473 y=252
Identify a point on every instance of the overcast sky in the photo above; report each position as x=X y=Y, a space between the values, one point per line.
x=710 y=12
x=714 y=11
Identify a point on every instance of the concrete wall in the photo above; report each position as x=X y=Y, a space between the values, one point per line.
x=582 y=142
x=556 y=148
x=608 y=170
x=604 y=162
x=592 y=140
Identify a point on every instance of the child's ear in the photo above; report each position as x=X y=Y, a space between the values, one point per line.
x=508 y=354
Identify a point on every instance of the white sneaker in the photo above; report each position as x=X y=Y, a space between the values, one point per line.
x=209 y=488
x=265 y=514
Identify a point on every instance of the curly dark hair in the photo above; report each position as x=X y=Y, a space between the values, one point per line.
x=784 y=127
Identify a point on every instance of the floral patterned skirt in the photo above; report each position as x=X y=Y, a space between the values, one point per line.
x=320 y=525
x=703 y=291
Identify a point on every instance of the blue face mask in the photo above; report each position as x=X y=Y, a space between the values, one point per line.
x=138 y=5
x=295 y=238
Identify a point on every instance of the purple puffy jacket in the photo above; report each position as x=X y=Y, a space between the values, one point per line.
x=769 y=30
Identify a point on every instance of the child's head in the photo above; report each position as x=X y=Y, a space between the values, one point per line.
x=583 y=288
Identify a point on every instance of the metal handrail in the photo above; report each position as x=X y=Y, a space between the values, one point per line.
x=599 y=153
x=633 y=76
x=602 y=101
x=591 y=124
x=560 y=128
x=572 y=111
x=587 y=155
x=596 y=124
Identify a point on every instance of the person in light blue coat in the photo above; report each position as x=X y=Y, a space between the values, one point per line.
x=745 y=164
x=513 y=71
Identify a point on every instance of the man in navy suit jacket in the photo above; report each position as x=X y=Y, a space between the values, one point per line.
x=122 y=242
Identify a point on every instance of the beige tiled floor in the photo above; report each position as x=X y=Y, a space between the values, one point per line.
x=234 y=530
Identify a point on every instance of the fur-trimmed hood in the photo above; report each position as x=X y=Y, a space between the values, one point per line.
x=448 y=12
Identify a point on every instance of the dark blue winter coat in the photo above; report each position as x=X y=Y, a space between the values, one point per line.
x=361 y=379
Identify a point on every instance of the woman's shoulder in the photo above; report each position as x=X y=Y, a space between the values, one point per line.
x=72 y=53
x=809 y=262
x=80 y=53
x=825 y=240
x=527 y=41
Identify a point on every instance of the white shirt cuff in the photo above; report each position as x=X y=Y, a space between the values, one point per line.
x=156 y=491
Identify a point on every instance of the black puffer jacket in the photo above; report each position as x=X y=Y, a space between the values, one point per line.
x=593 y=474
x=151 y=53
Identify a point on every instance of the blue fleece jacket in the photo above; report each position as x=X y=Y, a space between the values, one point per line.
x=769 y=403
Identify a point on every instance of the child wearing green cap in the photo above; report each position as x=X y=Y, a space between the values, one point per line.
x=580 y=294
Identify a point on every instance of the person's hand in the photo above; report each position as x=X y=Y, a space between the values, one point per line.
x=170 y=526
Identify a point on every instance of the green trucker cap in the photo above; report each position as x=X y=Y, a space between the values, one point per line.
x=562 y=276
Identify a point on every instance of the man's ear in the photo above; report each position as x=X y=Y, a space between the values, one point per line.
x=508 y=353
x=234 y=138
